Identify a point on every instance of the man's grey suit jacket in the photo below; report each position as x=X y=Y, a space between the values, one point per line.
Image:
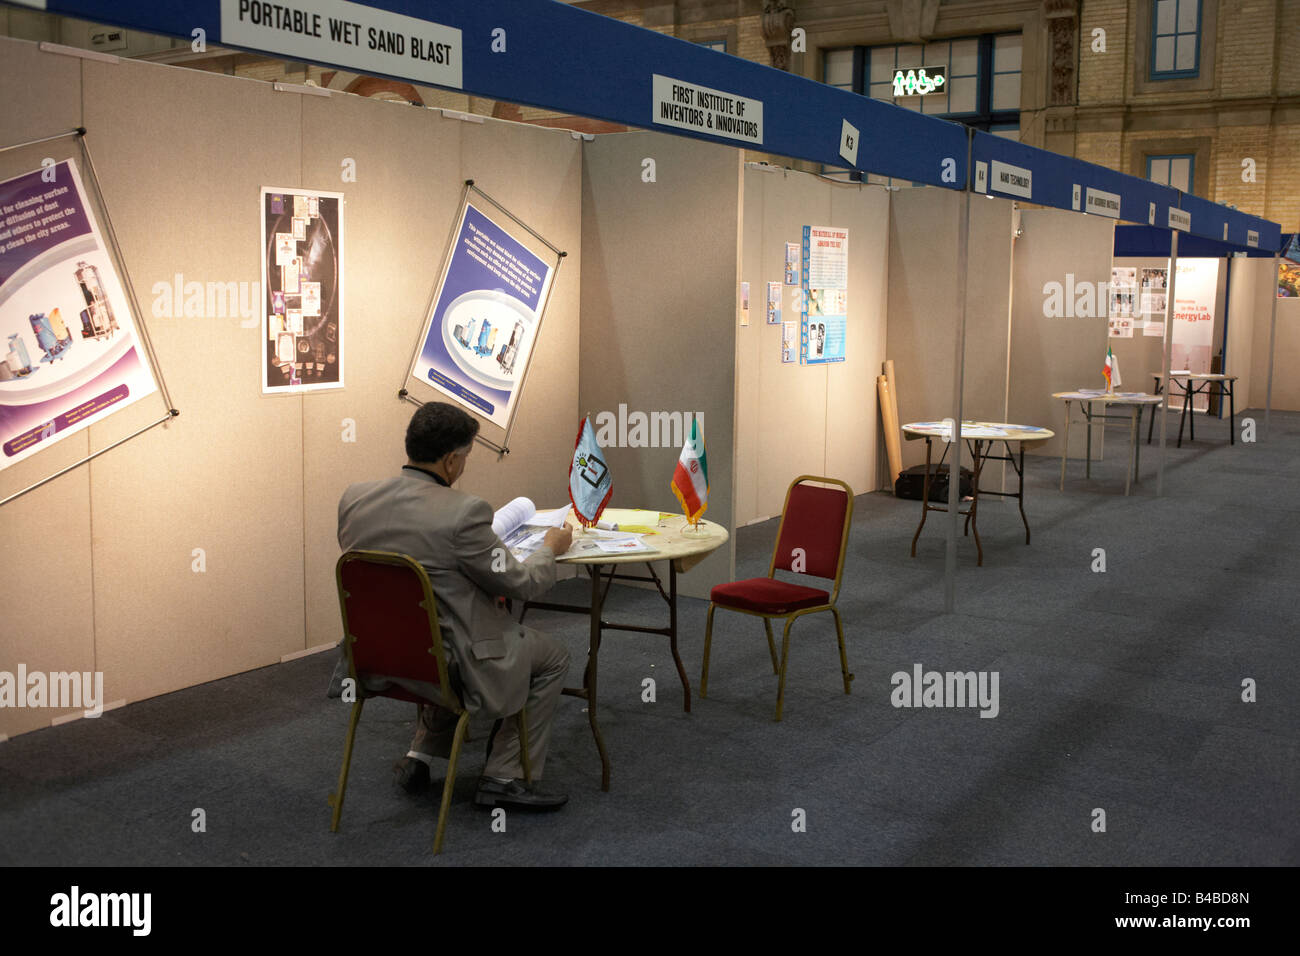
x=450 y=534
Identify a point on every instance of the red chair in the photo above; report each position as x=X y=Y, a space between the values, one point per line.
x=812 y=539
x=390 y=628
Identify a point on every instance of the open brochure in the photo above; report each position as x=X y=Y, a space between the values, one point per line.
x=522 y=528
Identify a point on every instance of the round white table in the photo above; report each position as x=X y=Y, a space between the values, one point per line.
x=980 y=438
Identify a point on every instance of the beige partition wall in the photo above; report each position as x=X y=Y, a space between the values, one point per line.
x=794 y=419
x=922 y=307
x=660 y=240
x=1286 y=347
x=1247 y=288
x=206 y=547
x=1057 y=348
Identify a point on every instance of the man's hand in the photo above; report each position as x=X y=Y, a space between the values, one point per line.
x=558 y=540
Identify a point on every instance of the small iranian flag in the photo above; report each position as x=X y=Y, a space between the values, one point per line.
x=1111 y=370
x=691 y=477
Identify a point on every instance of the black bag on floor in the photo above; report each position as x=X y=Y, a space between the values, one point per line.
x=911 y=483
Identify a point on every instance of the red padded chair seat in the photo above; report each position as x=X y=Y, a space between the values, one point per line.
x=767 y=596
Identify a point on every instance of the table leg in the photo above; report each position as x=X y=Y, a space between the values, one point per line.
x=974 y=501
x=1087 y=469
x=1191 y=415
x=1232 y=412
x=589 y=678
x=1065 y=447
x=1020 y=498
x=1182 y=419
x=1132 y=449
x=925 y=495
x=1137 y=454
x=672 y=634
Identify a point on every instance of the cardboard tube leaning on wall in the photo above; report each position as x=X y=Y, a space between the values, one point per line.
x=889 y=419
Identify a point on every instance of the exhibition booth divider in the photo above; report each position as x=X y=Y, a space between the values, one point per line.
x=206 y=547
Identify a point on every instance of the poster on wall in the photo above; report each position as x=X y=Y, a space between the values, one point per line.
x=792 y=263
x=744 y=303
x=825 y=283
x=774 y=303
x=70 y=353
x=1123 y=296
x=789 y=342
x=1151 y=296
x=1288 y=270
x=1192 y=339
x=479 y=337
x=302 y=290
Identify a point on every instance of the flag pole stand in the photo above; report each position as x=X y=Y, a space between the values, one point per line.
x=692 y=529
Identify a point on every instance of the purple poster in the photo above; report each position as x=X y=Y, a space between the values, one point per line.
x=480 y=335
x=69 y=352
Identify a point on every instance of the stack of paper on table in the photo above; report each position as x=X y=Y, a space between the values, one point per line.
x=522 y=529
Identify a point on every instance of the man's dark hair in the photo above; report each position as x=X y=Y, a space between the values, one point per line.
x=436 y=429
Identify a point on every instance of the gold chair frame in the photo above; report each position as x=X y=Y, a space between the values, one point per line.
x=450 y=701
x=790 y=618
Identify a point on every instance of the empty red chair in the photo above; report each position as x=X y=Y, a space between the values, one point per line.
x=812 y=539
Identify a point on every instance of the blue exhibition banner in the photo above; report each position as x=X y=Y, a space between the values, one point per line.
x=480 y=334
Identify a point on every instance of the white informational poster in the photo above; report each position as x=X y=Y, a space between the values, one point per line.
x=774 y=303
x=789 y=342
x=70 y=354
x=302 y=290
x=1192 y=338
x=1123 y=302
x=825 y=283
x=487 y=310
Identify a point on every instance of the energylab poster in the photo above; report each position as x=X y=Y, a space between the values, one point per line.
x=479 y=337
x=302 y=290
x=825 y=282
x=69 y=351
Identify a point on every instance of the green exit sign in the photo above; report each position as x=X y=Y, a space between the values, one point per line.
x=920 y=82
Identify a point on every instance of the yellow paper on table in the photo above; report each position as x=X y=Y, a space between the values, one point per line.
x=631 y=519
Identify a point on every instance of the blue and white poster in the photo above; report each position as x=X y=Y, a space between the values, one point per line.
x=825 y=284
x=480 y=335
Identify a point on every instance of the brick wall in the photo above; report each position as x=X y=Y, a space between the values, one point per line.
x=1102 y=75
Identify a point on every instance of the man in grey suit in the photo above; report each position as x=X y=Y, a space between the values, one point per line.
x=499 y=663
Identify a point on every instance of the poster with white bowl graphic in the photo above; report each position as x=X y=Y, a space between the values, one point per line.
x=479 y=336
x=69 y=351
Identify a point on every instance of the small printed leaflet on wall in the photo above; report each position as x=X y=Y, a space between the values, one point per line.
x=70 y=352
x=789 y=342
x=1151 y=302
x=487 y=309
x=302 y=289
x=774 y=290
x=825 y=283
x=1123 y=303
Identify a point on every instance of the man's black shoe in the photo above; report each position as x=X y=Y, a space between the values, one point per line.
x=517 y=795
x=411 y=775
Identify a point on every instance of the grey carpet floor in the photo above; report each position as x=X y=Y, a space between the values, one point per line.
x=1119 y=692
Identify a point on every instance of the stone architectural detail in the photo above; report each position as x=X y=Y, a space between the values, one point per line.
x=1063 y=55
x=778 y=21
x=912 y=20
